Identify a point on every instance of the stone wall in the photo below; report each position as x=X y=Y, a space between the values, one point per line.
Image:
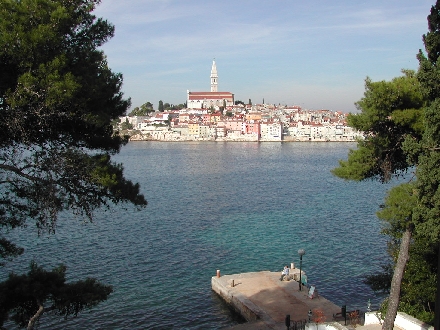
x=403 y=321
x=241 y=305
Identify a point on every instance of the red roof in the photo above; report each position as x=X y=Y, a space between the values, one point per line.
x=210 y=95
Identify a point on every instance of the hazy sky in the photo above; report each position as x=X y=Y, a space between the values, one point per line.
x=312 y=53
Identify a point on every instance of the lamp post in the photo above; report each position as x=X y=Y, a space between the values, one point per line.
x=301 y=252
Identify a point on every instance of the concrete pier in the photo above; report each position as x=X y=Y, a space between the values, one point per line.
x=264 y=301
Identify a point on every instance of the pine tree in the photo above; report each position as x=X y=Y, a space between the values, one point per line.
x=58 y=98
x=391 y=115
x=427 y=215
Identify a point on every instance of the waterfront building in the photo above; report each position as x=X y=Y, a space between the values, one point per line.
x=235 y=134
x=205 y=131
x=220 y=131
x=253 y=128
x=316 y=130
x=194 y=129
x=303 y=130
x=182 y=129
x=234 y=125
x=271 y=131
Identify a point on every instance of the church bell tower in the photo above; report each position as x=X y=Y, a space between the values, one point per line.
x=214 y=77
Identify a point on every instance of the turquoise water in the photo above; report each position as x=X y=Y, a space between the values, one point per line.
x=237 y=207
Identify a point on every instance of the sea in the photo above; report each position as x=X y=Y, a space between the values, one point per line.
x=231 y=206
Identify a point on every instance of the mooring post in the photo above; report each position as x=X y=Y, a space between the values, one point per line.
x=344 y=313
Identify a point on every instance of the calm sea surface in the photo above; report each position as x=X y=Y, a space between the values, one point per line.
x=237 y=207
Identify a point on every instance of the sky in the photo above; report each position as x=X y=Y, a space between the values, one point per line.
x=312 y=53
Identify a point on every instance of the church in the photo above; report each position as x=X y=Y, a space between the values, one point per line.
x=213 y=99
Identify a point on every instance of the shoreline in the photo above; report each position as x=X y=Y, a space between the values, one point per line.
x=135 y=138
x=217 y=141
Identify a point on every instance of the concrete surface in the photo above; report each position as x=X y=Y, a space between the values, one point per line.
x=264 y=300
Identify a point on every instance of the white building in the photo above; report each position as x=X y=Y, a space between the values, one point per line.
x=271 y=131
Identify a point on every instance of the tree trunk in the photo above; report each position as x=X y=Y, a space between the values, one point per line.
x=437 y=296
x=34 y=318
x=393 y=300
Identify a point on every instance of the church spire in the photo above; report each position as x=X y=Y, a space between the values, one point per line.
x=214 y=77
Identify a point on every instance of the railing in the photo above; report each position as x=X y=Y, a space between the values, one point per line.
x=355 y=317
x=352 y=318
x=295 y=325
